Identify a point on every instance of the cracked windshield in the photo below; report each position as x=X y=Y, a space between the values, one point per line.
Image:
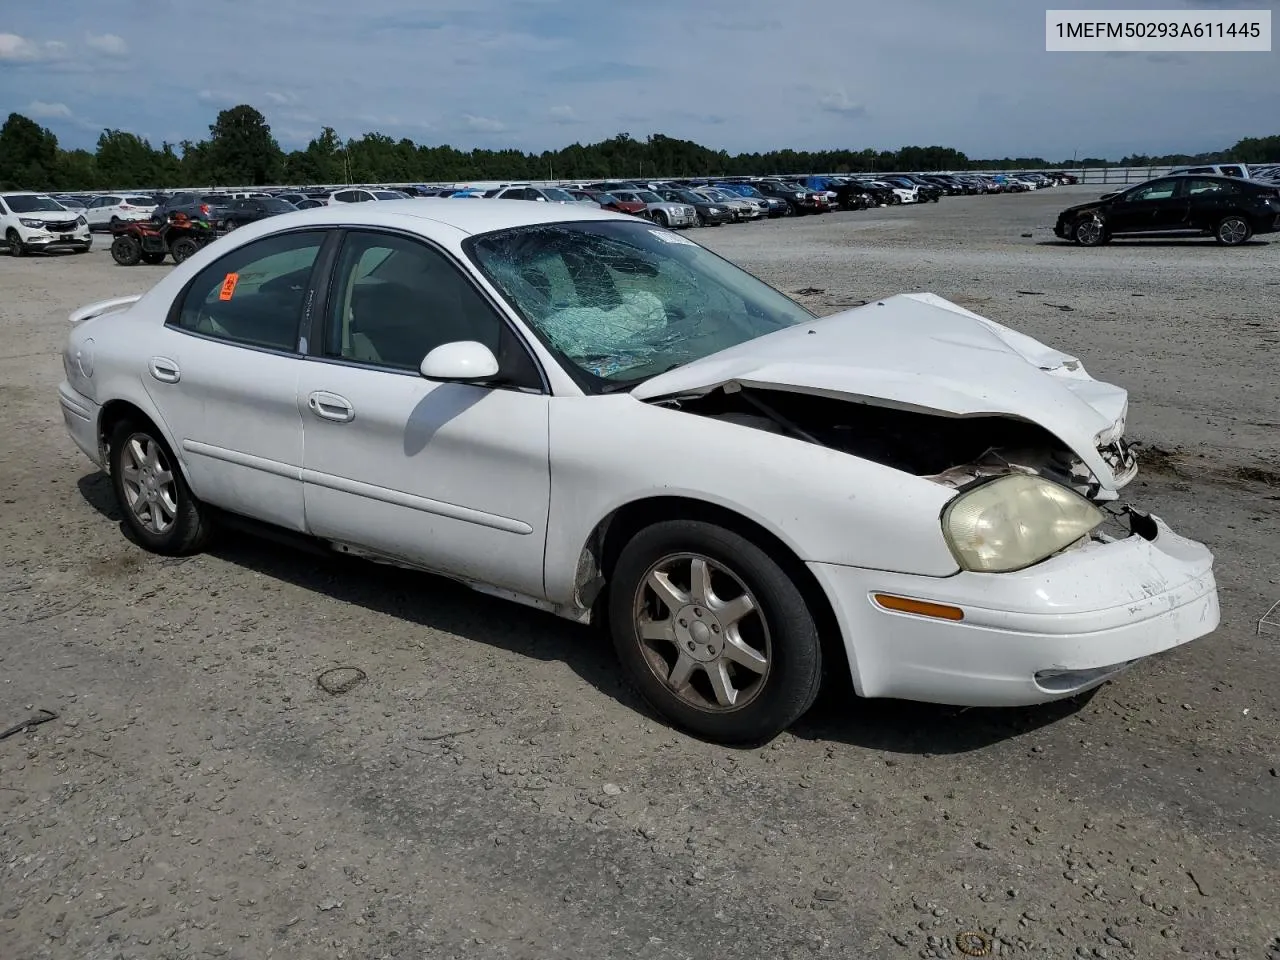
x=625 y=301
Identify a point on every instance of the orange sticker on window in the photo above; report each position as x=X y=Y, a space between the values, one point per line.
x=229 y=286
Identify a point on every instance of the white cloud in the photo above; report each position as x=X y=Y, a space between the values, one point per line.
x=564 y=114
x=216 y=97
x=16 y=49
x=113 y=45
x=838 y=102
x=280 y=98
x=39 y=110
x=483 y=124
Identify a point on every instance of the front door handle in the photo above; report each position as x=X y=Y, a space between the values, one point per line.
x=164 y=370
x=330 y=406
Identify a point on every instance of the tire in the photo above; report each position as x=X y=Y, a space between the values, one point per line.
x=1089 y=232
x=163 y=515
x=660 y=219
x=126 y=251
x=1233 y=231
x=16 y=247
x=183 y=248
x=702 y=220
x=779 y=633
x=153 y=258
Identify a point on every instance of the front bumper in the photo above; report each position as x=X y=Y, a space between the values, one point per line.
x=80 y=414
x=40 y=239
x=1048 y=632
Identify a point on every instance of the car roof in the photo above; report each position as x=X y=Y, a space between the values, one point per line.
x=471 y=218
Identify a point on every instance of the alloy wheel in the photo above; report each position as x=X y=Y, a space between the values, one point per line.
x=148 y=482
x=702 y=632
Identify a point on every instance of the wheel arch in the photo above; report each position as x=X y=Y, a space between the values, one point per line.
x=120 y=409
x=599 y=557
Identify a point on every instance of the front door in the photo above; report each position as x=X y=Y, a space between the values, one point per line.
x=224 y=376
x=454 y=477
x=1147 y=208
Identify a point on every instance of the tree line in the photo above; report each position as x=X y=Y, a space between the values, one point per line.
x=241 y=150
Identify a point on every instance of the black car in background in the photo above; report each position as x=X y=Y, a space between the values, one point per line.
x=240 y=212
x=710 y=213
x=799 y=199
x=881 y=193
x=1231 y=210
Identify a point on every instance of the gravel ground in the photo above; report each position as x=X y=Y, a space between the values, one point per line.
x=491 y=791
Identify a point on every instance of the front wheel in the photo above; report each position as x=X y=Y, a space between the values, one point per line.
x=1090 y=232
x=183 y=248
x=702 y=220
x=16 y=247
x=660 y=219
x=158 y=507
x=714 y=634
x=1233 y=231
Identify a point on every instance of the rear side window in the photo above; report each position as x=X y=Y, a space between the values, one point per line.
x=1211 y=188
x=254 y=295
x=140 y=201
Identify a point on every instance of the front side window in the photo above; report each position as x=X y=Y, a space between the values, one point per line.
x=396 y=299
x=1160 y=190
x=254 y=295
x=625 y=301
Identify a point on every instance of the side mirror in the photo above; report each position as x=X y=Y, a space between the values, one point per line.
x=462 y=361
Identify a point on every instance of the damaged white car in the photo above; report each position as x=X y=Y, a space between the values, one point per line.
x=598 y=417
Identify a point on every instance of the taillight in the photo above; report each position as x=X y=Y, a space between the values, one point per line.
x=204 y=208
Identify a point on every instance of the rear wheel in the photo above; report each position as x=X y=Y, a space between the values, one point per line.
x=126 y=251
x=158 y=507
x=714 y=634
x=1233 y=231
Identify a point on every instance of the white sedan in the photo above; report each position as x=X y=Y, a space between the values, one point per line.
x=600 y=418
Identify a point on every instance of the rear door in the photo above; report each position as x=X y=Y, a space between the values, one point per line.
x=224 y=375
x=1209 y=199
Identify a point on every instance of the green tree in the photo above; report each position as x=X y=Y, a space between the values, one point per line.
x=241 y=149
x=28 y=154
x=126 y=160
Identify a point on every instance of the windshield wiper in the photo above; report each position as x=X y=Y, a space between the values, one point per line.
x=621 y=385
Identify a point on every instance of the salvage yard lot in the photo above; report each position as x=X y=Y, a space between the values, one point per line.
x=492 y=791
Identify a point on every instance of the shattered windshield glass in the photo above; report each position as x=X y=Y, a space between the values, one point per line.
x=626 y=301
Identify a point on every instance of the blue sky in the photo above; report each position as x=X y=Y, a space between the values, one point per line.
x=741 y=75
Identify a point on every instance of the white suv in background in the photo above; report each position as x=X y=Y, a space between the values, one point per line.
x=362 y=195
x=107 y=211
x=36 y=221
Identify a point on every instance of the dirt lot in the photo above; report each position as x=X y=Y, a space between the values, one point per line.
x=491 y=791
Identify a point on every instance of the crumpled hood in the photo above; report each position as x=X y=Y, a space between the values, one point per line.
x=923 y=353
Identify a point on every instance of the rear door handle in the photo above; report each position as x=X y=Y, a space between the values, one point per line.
x=330 y=406
x=164 y=370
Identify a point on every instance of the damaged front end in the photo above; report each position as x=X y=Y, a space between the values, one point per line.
x=957 y=452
